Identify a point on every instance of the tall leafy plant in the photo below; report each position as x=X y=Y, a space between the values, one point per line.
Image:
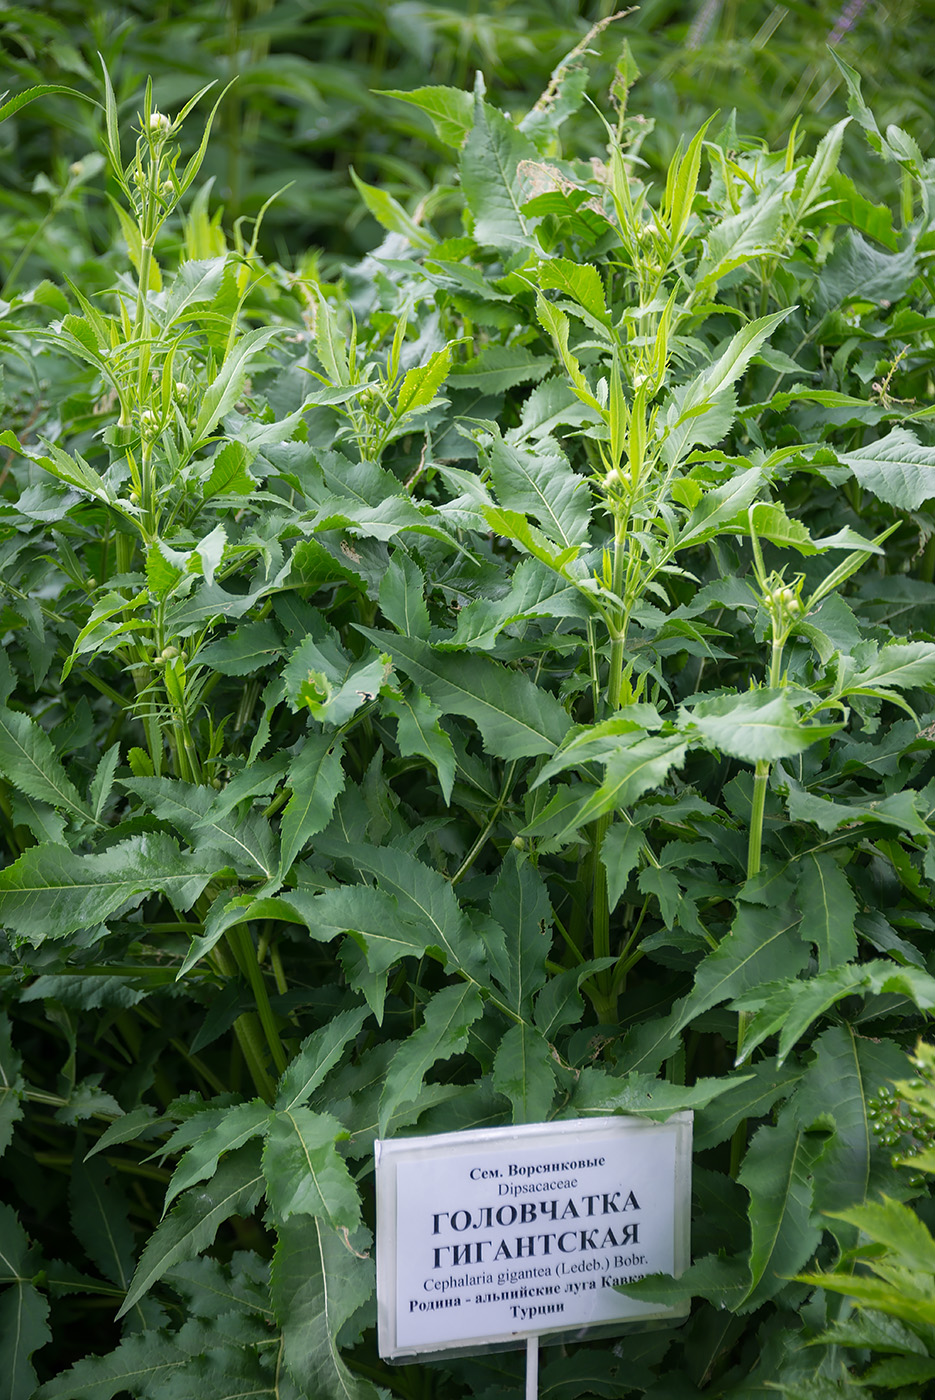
x=472 y=691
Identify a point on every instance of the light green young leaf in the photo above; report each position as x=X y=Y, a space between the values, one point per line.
x=580 y=281
x=489 y=162
x=754 y=724
x=423 y=382
x=227 y=387
x=823 y=165
x=390 y=214
x=451 y=110
x=447 y=1020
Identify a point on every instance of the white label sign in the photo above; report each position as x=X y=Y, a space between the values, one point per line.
x=494 y=1235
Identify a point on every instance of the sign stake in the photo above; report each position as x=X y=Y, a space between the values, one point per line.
x=532 y=1368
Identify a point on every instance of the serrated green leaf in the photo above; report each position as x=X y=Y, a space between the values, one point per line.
x=418 y=731
x=247 y=649
x=137 y=1366
x=489 y=161
x=524 y=1072
x=402 y=597
x=580 y=281
x=304 y=1173
x=11 y=1084
x=191 y=1227
x=315 y=777
x=239 y=1125
x=248 y=841
x=544 y=486
x=827 y=904
x=99 y=1217
x=520 y=904
x=501 y=367
x=447 y=1020
x=451 y=110
x=317 y=1056
x=24 y=1330
x=763 y=946
x=28 y=760
x=423 y=382
x=515 y=717
x=316 y=1283
x=51 y=891
x=756 y=724
x=777 y=1173
x=897 y=469
x=229 y=475
x=226 y=388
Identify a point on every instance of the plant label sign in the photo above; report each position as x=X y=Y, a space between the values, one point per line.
x=491 y=1236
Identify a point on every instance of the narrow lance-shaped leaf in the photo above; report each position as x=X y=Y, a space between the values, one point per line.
x=193 y=1223
x=448 y=1018
x=316 y=777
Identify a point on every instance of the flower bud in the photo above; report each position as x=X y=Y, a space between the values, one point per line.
x=76 y=168
x=149 y=424
x=168 y=653
x=159 y=122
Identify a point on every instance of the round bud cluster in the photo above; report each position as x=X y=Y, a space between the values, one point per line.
x=76 y=168
x=893 y=1120
x=783 y=600
x=168 y=653
x=159 y=123
x=613 y=481
x=149 y=425
x=181 y=392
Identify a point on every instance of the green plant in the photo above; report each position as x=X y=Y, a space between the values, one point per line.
x=889 y=1278
x=412 y=720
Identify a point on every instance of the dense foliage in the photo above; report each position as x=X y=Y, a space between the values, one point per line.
x=492 y=685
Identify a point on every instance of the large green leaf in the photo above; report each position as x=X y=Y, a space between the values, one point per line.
x=51 y=891
x=543 y=485
x=446 y=1022
x=247 y=841
x=897 y=469
x=100 y=1219
x=24 y=1329
x=763 y=946
x=756 y=724
x=318 y=1280
x=516 y=718
x=520 y=905
x=315 y=777
x=304 y=1173
x=828 y=907
x=845 y=1071
x=777 y=1172
x=489 y=162
x=29 y=761
x=139 y=1366
x=193 y=1223
x=524 y=1071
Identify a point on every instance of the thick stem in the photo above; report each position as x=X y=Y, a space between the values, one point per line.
x=241 y=945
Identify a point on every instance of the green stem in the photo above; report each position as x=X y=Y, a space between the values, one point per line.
x=241 y=945
x=247 y=1031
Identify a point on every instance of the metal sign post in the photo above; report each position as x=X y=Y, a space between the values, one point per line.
x=500 y=1236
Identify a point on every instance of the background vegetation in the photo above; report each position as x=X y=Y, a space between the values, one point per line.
x=483 y=678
